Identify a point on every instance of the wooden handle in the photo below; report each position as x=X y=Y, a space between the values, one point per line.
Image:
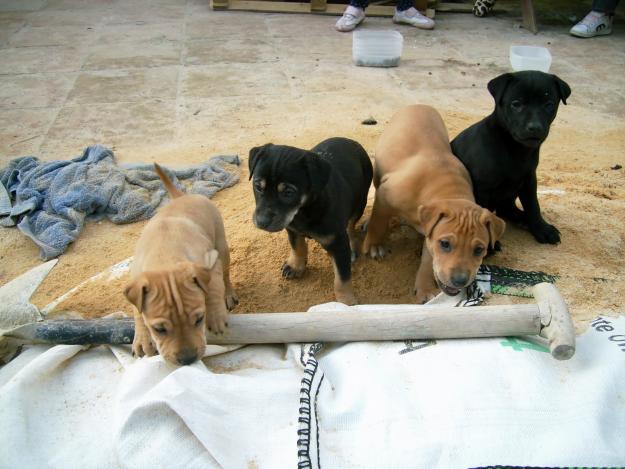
x=549 y=318
x=558 y=327
x=385 y=323
x=420 y=322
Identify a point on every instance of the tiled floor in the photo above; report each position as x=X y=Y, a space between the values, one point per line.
x=138 y=74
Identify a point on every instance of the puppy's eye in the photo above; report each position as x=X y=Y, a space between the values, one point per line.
x=259 y=186
x=478 y=251
x=549 y=105
x=199 y=320
x=445 y=246
x=288 y=192
x=516 y=105
x=160 y=330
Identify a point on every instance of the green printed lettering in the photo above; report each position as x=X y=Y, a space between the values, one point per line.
x=519 y=344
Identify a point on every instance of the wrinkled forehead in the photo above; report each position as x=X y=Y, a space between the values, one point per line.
x=173 y=294
x=464 y=225
x=287 y=167
x=532 y=88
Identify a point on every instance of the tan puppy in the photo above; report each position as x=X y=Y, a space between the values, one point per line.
x=419 y=179
x=180 y=278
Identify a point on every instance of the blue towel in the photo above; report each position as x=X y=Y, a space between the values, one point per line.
x=50 y=201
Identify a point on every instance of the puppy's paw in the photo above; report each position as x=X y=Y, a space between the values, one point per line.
x=231 y=300
x=425 y=294
x=354 y=256
x=346 y=298
x=142 y=346
x=546 y=233
x=216 y=322
x=377 y=251
x=291 y=272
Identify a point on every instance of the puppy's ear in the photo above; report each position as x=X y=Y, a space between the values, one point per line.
x=495 y=226
x=563 y=87
x=318 y=172
x=428 y=216
x=136 y=290
x=497 y=86
x=255 y=154
x=202 y=273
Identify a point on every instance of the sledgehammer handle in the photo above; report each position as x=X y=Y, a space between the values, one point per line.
x=558 y=327
x=383 y=323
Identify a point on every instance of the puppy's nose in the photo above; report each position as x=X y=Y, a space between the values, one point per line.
x=186 y=358
x=459 y=279
x=534 y=128
x=263 y=220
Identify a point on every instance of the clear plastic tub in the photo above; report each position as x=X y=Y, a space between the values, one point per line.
x=377 y=48
x=530 y=58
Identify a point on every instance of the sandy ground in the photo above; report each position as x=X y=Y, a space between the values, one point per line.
x=177 y=83
x=589 y=212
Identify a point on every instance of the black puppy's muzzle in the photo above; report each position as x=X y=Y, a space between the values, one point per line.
x=267 y=221
x=533 y=134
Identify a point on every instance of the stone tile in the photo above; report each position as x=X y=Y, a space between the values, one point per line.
x=53 y=36
x=13 y=16
x=230 y=50
x=305 y=48
x=114 y=125
x=22 y=5
x=564 y=46
x=591 y=99
x=140 y=32
x=316 y=25
x=431 y=46
x=321 y=77
x=80 y=5
x=145 y=11
x=446 y=74
x=22 y=131
x=482 y=47
x=35 y=90
x=597 y=69
x=201 y=9
x=219 y=24
x=75 y=17
x=8 y=27
x=233 y=80
x=41 y=59
x=130 y=55
x=113 y=86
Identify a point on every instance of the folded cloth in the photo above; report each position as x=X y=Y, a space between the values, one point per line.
x=419 y=404
x=52 y=200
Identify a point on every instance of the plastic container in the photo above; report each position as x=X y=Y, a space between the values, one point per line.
x=377 y=48
x=530 y=58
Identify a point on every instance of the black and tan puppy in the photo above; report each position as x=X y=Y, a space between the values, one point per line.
x=501 y=151
x=320 y=194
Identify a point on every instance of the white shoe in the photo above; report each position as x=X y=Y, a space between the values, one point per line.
x=351 y=18
x=413 y=17
x=594 y=24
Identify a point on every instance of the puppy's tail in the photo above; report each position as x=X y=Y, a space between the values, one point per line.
x=173 y=190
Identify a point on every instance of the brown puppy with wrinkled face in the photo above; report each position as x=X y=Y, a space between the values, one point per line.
x=419 y=179
x=180 y=278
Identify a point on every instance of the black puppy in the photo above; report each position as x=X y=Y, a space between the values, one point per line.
x=320 y=194
x=501 y=151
